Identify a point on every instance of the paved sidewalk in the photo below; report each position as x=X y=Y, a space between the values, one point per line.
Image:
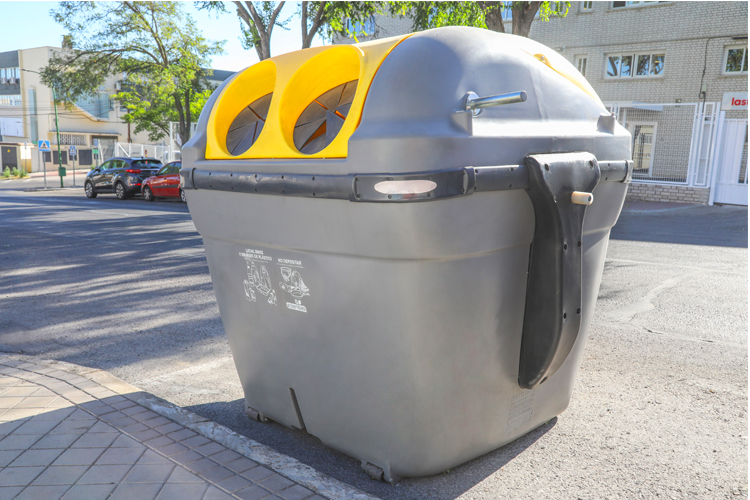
x=63 y=435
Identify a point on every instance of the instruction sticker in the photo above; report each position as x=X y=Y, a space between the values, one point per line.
x=293 y=283
x=259 y=279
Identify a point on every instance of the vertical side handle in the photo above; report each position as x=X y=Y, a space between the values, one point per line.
x=552 y=316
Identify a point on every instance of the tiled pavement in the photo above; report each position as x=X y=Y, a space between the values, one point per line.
x=65 y=436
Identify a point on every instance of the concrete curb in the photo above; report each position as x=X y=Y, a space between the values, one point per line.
x=282 y=464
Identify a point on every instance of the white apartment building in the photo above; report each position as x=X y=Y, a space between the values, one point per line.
x=27 y=116
x=676 y=76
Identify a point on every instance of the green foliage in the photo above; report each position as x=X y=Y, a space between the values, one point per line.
x=426 y=15
x=15 y=171
x=22 y=173
x=336 y=17
x=487 y=15
x=6 y=173
x=155 y=45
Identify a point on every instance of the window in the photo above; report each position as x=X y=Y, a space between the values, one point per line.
x=587 y=6
x=735 y=60
x=644 y=135
x=368 y=28
x=635 y=65
x=560 y=7
x=10 y=100
x=581 y=64
x=620 y=5
x=10 y=76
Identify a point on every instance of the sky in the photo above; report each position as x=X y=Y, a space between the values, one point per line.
x=29 y=24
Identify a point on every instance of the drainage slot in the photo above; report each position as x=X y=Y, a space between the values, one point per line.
x=296 y=409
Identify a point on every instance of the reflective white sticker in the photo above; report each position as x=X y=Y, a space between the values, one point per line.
x=405 y=187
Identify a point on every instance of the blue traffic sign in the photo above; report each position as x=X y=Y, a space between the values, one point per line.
x=43 y=145
x=72 y=151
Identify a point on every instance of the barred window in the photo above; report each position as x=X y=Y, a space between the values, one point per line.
x=72 y=139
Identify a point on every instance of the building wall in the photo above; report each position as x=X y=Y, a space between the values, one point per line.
x=76 y=125
x=693 y=36
x=686 y=32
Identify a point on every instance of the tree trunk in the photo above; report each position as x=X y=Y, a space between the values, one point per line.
x=248 y=14
x=188 y=118
x=181 y=118
x=318 y=20
x=523 y=16
x=493 y=15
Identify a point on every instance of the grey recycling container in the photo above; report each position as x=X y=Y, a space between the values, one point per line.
x=406 y=239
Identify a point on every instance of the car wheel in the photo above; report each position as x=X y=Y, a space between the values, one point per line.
x=89 y=189
x=148 y=195
x=120 y=191
x=182 y=196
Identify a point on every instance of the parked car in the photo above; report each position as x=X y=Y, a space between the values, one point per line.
x=166 y=183
x=121 y=175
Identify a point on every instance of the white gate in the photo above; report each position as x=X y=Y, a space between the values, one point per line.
x=672 y=143
x=132 y=150
x=175 y=141
x=730 y=176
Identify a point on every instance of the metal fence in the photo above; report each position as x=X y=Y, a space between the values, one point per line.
x=672 y=143
x=175 y=141
x=139 y=150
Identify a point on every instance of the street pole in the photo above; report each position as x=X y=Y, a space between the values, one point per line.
x=57 y=132
x=41 y=160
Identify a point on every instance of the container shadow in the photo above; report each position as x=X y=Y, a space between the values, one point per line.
x=311 y=451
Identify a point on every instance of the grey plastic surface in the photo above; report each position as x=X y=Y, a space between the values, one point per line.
x=397 y=326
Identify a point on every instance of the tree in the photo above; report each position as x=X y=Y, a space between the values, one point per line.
x=333 y=18
x=155 y=45
x=257 y=20
x=490 y=15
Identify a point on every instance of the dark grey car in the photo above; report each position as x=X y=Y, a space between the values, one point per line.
x=122 y=176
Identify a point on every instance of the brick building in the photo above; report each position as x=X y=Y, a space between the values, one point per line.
x=674 y=74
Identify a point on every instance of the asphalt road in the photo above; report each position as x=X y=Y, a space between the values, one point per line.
x=659 y=409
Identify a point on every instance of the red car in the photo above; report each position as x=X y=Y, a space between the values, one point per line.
x=165 y=183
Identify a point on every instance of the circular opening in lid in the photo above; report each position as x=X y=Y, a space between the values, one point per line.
x=247 y=125
x=322 y=119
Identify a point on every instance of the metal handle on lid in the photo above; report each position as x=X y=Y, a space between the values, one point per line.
x=474 y=103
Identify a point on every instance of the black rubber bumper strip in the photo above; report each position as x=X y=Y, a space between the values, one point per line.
x=362 y=187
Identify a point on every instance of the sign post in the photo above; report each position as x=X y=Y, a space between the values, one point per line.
x=25 y=155
x=72 y=153
x=44 y=146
